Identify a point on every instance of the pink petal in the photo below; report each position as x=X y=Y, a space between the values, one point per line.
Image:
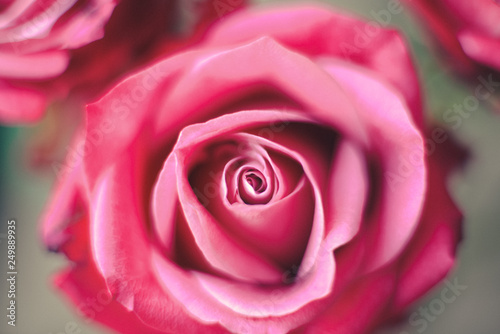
x=200 y=294
x=314 y=29
x=358 y=309
x=347 y=195
x=293 y=74
x=432 y=253
x=63 y=207
x=117 y=118
x=165 y=201
x=34 y=66
x=481 y=47
x=18 y=105
x=400 y=145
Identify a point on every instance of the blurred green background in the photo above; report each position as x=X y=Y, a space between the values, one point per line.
x=24 y=192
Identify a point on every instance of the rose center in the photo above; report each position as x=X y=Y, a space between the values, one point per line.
x=256 y=181
x=252 y=186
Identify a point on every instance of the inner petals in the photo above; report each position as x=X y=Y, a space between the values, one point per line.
x=252 y=186
x=256 y=180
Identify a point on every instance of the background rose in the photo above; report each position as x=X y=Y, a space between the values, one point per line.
x=54 y=48
x=344 y=130
x=34 y=43
x=467 y=30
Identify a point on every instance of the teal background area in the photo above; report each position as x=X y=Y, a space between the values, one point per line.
x=24 y=192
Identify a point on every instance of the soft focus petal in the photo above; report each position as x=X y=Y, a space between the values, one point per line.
x=19 y=105
x=384 y=52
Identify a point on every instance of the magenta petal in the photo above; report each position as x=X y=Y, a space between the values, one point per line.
x=280 y=229
x=293 y=74
x=19 y=105
x=241 y=307
x=480 y=47
x=242 y=298
x=62 y=207
x=164 y=204
x=84 y=27
x=90 y=296
x=432 y=252
x=34 y=66
x=123 y=256
x=357 y=309
x=114 y=122
x=119 y=253
x=32 y=27
x=346 y=195
x=384 y=52
x=393 y=136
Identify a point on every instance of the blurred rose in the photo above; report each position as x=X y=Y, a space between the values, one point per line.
x=35 y=38
x=271 y=179
x=50 y=49
x=468 y=30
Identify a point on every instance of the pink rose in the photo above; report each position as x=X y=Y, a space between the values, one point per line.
x=260 y=182
x=468 y=30
x=35 y=38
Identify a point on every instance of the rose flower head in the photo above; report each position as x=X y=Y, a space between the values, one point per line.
x=273 y=178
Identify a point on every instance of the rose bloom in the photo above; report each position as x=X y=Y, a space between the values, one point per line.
x=267 y=180
x=469 y=31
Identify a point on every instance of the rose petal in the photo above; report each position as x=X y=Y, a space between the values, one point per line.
x=301 y=78
x=13 y=11
x=347 y=195
x=89 y=294
x=62 y=208
x=34 y=66
x=289 y=72
x=400 y=145
x=246 y=298
x=54 y=25
x=204 y=304
x=111 y=122
x=358 y=309
x=18 y=105
x=480 y=47
x=432 y=253
x=164 y=204
x=384 y=52
x=35 y=22
x=119 y=253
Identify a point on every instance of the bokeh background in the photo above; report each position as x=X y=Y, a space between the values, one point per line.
x=476 y=188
